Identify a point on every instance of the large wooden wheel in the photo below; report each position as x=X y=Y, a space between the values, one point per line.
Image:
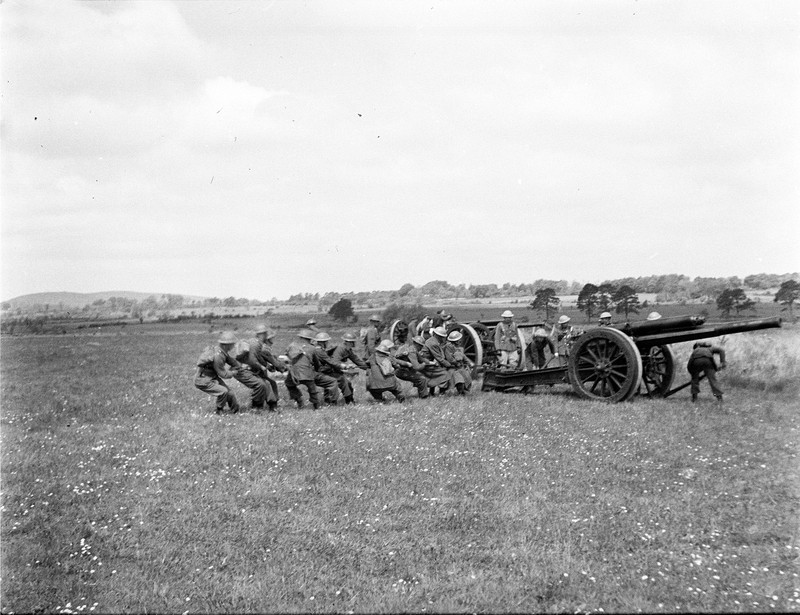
x=605 y=365
x=658 y=370
x=473 y=348
x=393 y=331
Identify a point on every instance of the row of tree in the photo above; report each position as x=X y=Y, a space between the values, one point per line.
x=593 y=300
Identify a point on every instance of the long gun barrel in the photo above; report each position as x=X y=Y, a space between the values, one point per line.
x=646 y=327
x=643 y=342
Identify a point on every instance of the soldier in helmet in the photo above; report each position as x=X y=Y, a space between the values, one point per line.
x=340 y=355
x=261 y=355
x=438 y=370
x=536 y=348
x=301 y=370
x=462 y=366
x=250 y=375
x=506 y=341
x=323 y=366
x=410 y=367
x=311 y=323
x=214 y=365
x=371 y=336
x=605 y=319
x=702 y=362
x=381 y=374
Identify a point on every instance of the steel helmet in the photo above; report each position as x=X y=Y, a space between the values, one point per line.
x=261 y=328
x=307 y=334
x=322 y=336
x=418 y=339
x=540 y=332
x=270 y=334
x=385 y=346
x=507 y=314
x=311 y=321
x=447 y=317
x=440 y=331
x=563 y=319
x=454 y=336
x=375 y=318
x=227 y=337
x=605 y=315
x=653 y=316
x=349 y=337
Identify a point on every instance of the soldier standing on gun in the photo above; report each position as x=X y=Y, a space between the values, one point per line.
x=340 y=355
x=407 y=352
x=215 y=364
x=702 y=362
x=506 y=341
x=301 y=371
x=605 y=319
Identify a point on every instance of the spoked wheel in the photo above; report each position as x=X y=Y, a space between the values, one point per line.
x=473 y=348
x=658 y=370
x=393 y=330
x=604 y=365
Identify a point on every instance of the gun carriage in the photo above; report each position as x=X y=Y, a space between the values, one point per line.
x=609 y=364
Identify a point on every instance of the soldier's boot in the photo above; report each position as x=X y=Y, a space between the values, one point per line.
x=719 y=397
x=432 y=391
x=348 y=399
x=694 y=397
x=272 y=406
x=460 y=388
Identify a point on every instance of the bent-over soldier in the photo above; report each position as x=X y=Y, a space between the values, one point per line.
x=702 y=362
x=438 y=370
x=454 y=352
x=381 y=374
x=214 y=365
x=537 y=347
x=341 y=354
x=323 y=365
x=408 y=353
x=301 y=371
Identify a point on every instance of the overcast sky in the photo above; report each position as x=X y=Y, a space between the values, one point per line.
x=261 y=149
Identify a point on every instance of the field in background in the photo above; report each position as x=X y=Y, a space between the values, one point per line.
x=121 y=491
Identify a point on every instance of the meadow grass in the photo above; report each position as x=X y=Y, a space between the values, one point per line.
x=123 y=492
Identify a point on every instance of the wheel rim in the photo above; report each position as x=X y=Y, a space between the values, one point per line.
x=604 y=364
x=473 y=348
x=393 y=330
x=658 y=370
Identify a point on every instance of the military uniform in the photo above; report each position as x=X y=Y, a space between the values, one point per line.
x=212 y=367
x=250 y=375
x=381 y=377
x=506 y=342
x=371 y=339
x=536 y=348
x=342 y=354
x=301 y=372
x=263 y=355
x=462 y=372
x=702 y=362
x=439 y=370
x=407 y=353
x=322 y=361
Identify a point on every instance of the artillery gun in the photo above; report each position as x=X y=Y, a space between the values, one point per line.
x=613 y=363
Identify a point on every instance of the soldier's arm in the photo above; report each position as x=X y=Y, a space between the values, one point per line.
x=360 y=363
x=721 y=353
x=221 y=363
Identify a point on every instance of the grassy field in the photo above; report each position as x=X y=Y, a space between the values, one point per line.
x=123 y=492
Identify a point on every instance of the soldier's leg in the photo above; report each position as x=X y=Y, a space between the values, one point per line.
x=292 y=386
x=420 y=382
x=376 y=394
x=214 y=387
x=397 y=391
x=711 y=376
x=257 y=386
x=513 y=359
x=313 y=393
x=329 y=386
x=503 y=361
x=345 y=388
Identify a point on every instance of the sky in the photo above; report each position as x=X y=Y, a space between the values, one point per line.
x=261 y=149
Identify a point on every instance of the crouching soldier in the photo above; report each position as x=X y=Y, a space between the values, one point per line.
x=462 y=366
x=269 y=361
x=256 y=355
x=438 y=370
x=250 y=375
x=381 y=375
x=301 y=371
x=324 y=365
x=535 y=350
x=409 y=367
x=215 y=364
x=340 y=355
x=702 y=362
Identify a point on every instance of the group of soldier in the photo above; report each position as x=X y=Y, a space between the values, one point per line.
x=429 y=355
x=433 y=363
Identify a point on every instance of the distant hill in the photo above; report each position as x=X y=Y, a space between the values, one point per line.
x=78 y=300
